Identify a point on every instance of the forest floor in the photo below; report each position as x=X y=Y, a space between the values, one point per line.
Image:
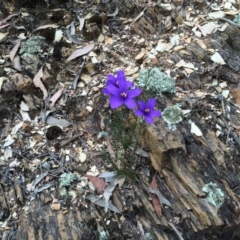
x=55 y=59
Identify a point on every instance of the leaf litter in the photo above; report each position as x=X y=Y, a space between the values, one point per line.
x=137 y=54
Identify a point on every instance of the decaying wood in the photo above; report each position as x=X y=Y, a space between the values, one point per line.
x=187 y=163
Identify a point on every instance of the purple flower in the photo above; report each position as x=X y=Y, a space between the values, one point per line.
x=147 y=111
x=112 y=80
x=122 y=95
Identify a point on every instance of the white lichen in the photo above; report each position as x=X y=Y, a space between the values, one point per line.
x=156 y=81
x=32 y=45
x=66 y=179
x=215 y=196
x=172 y=115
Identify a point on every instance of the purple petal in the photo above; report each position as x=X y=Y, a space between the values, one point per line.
x=115 y=102
x=149 y=120
x=111 y=79
x=105 y=91
x=112 y=89
x=113 y=82
x=130 y=103
x=139 y=113
x=155 y=113
x=120 y=74
x=130 y=84
x=122 y=83
x=134 y=93
x=151 y=103
x=142 y=105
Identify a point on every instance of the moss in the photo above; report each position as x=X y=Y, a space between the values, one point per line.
x=66 y=179
x=215 y=196
x=172 y=115
x=32 y=45
x=156 y=81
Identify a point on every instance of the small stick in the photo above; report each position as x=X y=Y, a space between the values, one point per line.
x=229 y=21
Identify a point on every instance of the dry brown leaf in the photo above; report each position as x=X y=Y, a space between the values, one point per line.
x=17 y=64
x=97 y=182
x=1 y=81
x=7 y=18
x=139 y=55
x=47 y=26
x=81 y=52
x=56 y=96
x=14 y=50
x=60 y=122
x=81 y=25
x=38 y=83
x=3 y=26
x=155 y=199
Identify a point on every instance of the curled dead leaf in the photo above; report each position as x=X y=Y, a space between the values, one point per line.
x=14 y=50
x=38 y=83
x=81 y=52
x=56 y=96
x=97 y=182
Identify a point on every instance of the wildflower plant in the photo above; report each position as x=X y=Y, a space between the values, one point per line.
x=128 y=122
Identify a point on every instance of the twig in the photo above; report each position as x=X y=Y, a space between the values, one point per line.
x=223 y=108
x=75 y=81
x=139 y=16
x=65 y=142
x=229 y=21
x=88 y=5
x=119 y=57
x=229 y=130
x=175 y=230
x=237 y=140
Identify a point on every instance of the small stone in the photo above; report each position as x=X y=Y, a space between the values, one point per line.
x=219 y=89
x=215 y=82
x=89 y=108
x=81 y=85
x=223 y=85
x=95 y=89
x=82 y=157
x=225 y=93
